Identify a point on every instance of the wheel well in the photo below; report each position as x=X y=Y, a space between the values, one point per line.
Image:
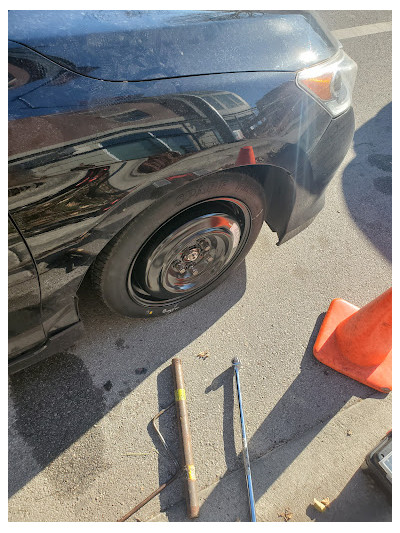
x=279 y=193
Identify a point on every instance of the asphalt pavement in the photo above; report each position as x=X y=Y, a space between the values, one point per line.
x=81 y=444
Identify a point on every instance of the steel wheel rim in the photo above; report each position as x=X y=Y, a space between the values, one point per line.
x=193 y=255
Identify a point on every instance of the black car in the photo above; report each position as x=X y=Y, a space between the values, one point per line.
x=147 y=148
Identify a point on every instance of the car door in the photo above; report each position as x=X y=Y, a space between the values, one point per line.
x=25 y=331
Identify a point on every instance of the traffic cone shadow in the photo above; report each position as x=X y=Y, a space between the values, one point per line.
x=358 y=342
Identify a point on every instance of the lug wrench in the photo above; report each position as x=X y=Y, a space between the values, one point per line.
x=236 y=365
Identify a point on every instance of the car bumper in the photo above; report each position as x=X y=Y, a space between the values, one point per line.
x=314 y=171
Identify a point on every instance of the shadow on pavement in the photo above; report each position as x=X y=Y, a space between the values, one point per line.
x=300 y=411
x=367 y=181
x=56 y=401
x=361 y=500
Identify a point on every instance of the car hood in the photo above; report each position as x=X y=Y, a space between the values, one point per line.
x=146 y=45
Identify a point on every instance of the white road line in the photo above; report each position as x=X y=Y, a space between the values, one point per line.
x=359 y=31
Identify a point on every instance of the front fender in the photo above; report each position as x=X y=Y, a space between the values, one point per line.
x=87 y=156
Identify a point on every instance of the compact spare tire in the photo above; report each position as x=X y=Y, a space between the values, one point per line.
x=181 y=247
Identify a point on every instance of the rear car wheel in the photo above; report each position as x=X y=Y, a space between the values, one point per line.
x=182 y=247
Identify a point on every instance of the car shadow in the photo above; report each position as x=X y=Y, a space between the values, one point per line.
x=367 y=181
x=55 y=402
x=302 y=410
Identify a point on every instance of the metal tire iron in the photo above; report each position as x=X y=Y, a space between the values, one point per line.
x=236 y=365
x=184 y=432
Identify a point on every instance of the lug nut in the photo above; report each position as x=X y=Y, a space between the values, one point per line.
x=179 y=267
x=204 y=245
x=209 y=259
x=194 y=271
x=192 y=255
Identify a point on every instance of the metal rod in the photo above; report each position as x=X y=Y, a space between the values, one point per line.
x=246 y=459
x=164 y=485
x=150 y=497
x=171 y=455
x=184 y=431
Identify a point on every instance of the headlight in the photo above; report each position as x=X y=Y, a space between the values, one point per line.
x=330 y=83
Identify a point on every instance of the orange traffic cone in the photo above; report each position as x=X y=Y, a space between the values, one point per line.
x=358 y=342
x=246 y=156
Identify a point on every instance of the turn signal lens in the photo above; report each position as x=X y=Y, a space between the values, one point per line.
x=320 y=86
x=330 y=83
